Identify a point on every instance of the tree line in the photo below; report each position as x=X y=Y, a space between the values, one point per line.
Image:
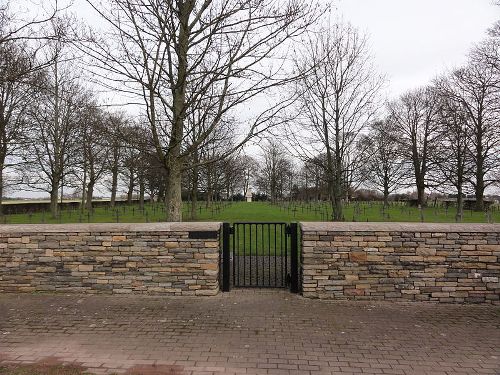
x=442 y=137
x=202 y=79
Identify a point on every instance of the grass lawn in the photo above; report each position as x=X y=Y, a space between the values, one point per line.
x=258 y=211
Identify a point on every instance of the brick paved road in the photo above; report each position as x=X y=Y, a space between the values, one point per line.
x=249 y=332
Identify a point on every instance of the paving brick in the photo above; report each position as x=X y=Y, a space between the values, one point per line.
x=248 y=332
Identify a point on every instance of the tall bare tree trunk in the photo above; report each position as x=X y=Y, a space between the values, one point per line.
x=420 y=192
x=460 y=171
x=174 y=167
x=90 y=194
x=273 y=182
x=54 y=192
x=334 y=167
x=194 y=193
x=131 y=185
x=142 y=190
x=173 y=196
x=337 y=194
x=460 y=206
x=114 y=178
x=479 y=191
x=330 y=180
x=209 y=196
x=418 y=167
x=1 y=191
x=386 y=190
x=84 y=187
x=161 y=190
x=54 y=197
x=2 y=163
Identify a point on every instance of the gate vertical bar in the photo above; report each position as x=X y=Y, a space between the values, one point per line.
x=244 y=256
x=263 y=251
x=275 y=267
x=294 y=258
x=235 y=259
x=250 y=258
x=282 y=252
x=226 y=257
x=269 y=253
x=285 y=238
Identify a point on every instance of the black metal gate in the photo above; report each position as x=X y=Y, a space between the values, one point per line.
x=260 y=255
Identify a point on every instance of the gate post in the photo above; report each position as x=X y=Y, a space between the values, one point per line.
x=226 y=259
x=294 y=258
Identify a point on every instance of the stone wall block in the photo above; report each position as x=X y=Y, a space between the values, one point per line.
x=422 y=262
x=109 y=258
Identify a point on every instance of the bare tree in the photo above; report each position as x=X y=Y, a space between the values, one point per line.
x=383 y=167
x=275 y=172
x=15 y=28
x=21 y=62
x=93 y=148
x=53 y=128
x=178 y=56
x=476 y=89
x=16 y=95
x=154 y=177
x=250 y=169
x=338 y=97
x=233 y=175
x=213 y=155
x=206 y=157
x=130 y=170
x=314 y=179
x=116 y=126
x=414 y=118
x=454 y=166
x=488 y=51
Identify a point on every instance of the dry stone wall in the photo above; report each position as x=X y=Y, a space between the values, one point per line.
x=395 y=261
x=159 y=258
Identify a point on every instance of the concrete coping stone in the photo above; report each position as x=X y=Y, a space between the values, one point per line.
x=111 y=227
x=399 y=227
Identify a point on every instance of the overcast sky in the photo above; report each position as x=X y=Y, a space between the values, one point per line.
x=415 y=40
x=412 y=40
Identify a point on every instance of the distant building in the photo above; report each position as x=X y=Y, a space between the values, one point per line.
x=469 y=203
x=248 y=196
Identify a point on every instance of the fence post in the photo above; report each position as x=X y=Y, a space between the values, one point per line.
x=226 y=260
x=294 y=258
